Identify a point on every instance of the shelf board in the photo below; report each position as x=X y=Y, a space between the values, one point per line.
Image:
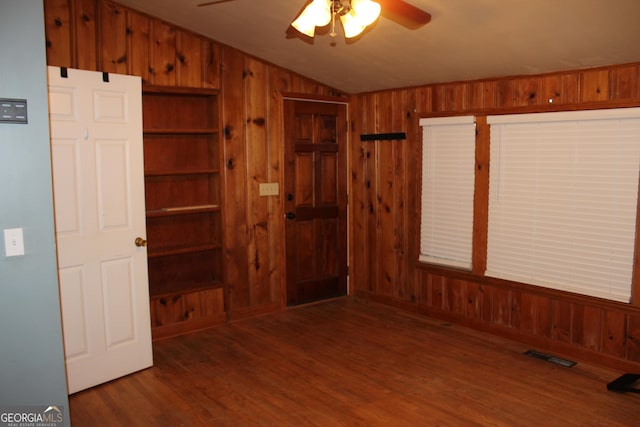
x=179 y=131
x=148 y=89
x=182 y=250
x=182 y=288
x=171 y=172
x=182 y=210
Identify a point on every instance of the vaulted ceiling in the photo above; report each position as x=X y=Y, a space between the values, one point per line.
x=465 y=40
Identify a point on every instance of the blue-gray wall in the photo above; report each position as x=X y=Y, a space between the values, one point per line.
x=32 y=370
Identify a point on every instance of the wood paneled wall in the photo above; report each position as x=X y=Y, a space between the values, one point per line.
x=384 y=176
x=385 y=194
x=105 y=36
x=253 y=118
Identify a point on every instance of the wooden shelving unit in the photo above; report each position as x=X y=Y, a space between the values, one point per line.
x=184 y=208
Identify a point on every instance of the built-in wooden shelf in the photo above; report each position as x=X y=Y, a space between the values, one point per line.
x=181 y=172
x=179 y=131
x=178 y=250
x=193 y=287
x=184 y=208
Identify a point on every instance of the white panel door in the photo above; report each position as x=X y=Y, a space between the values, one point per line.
x=98 y=178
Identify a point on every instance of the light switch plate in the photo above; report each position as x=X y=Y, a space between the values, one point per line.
x=13 y=111
x=269 y=189
x=13 y=242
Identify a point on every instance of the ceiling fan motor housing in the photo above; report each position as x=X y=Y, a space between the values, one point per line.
x=341 y=7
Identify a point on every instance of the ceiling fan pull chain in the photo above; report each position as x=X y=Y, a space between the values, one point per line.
x=333 y=19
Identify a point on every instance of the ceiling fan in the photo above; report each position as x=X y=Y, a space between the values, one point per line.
x=398 y=11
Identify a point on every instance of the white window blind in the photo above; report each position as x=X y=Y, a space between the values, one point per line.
x=448 y=170
x=562 y=200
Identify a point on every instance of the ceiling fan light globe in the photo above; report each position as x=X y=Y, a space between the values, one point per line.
x=316 y=14
x=305 y=24
x=319 y=11
x=351 y=24
x=322 y=12
x=367 y=11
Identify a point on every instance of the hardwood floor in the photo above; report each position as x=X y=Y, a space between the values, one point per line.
x=349 y=363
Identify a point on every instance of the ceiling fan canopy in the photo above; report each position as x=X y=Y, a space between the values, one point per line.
x=355 y=15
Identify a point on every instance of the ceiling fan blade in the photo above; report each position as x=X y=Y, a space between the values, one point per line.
x=213 y=2
x=404 y=13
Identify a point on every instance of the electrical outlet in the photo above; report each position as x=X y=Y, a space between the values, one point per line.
x=269 y=189
x=13 y=242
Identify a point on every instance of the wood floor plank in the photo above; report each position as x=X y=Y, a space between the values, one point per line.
x=351 y=363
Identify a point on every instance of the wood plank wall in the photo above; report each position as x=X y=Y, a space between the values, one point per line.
x=384 y=176
x=105 y=36
x=385 y=193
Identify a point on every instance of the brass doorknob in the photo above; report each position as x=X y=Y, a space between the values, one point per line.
x=140 y=242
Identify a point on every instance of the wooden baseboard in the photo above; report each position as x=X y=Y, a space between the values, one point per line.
x=578 y=353
x=188 y=326
x=184 y=312
x=236 y=314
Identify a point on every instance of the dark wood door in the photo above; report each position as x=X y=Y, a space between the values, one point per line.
x=315 y=200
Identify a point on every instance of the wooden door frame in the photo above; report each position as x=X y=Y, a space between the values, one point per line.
x=320 y=99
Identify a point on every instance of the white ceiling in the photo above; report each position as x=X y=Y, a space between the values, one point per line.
x=466 y=39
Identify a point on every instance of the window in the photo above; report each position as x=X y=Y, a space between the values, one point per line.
x=448 y=174
x=562 y=200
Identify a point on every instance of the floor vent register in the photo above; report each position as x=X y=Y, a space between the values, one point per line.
x=549 y=358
